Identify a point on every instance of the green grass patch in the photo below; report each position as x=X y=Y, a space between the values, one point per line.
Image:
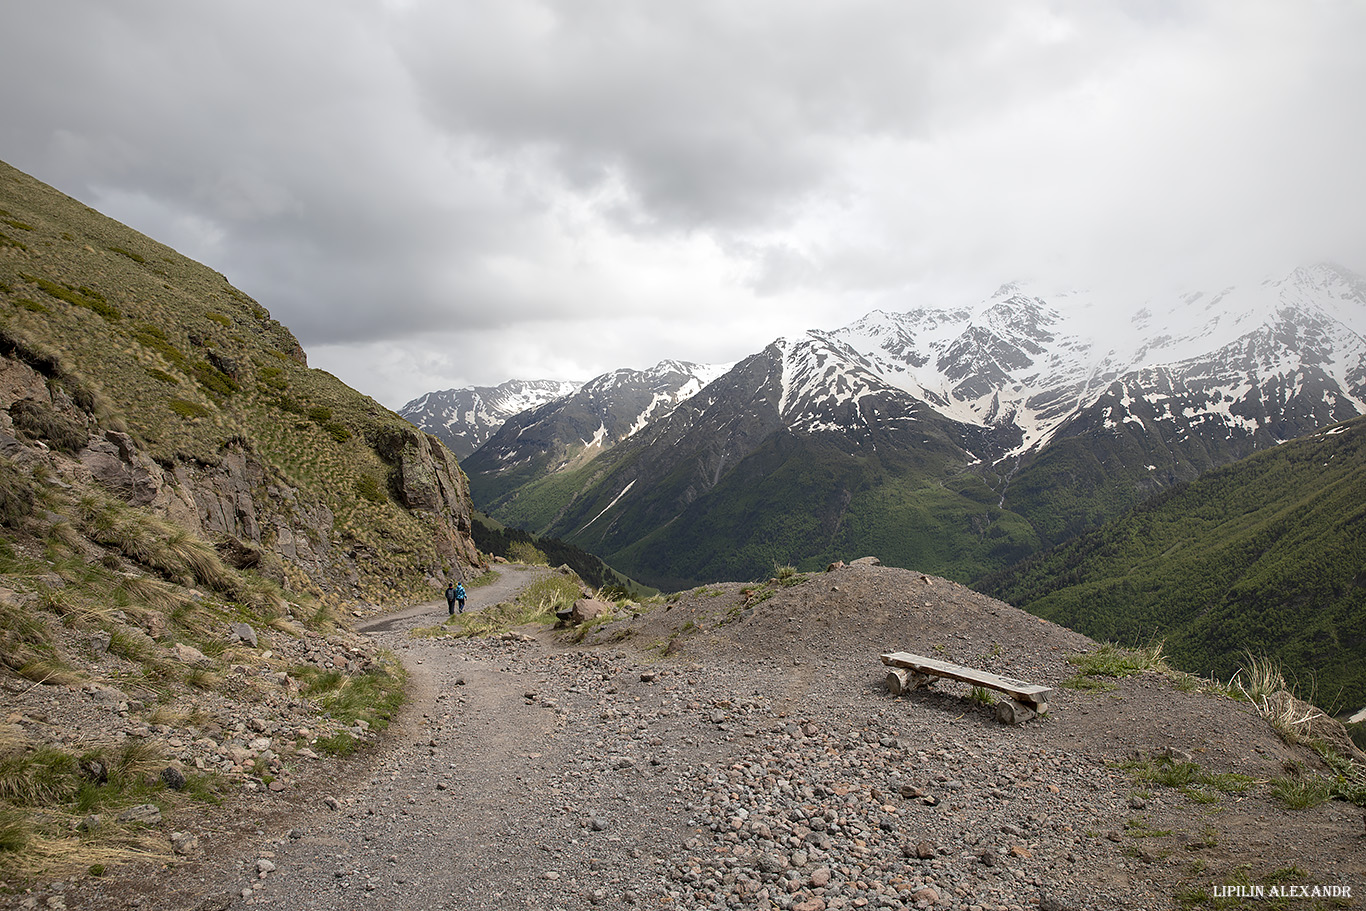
x=1302 y=793
x=1112 y=661
x=528 y=553
x=214 y=380
x=161 y=376
x=152 y=337
x=1189 y=778
x=80 y=297
x=373 y=696
x=274 y=377
x=339 y=744
x=1349 y=778
x=369 y=488
x=188 y=409
x=135 y=257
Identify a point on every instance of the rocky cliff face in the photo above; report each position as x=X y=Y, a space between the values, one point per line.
x=254 y=518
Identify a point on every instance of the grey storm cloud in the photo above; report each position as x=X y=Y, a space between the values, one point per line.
x=448 y=193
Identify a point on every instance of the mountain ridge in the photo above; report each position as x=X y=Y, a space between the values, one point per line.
x=1264 y=555
x=1061 y=430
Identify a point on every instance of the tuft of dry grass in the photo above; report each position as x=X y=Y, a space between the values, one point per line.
x=50 y=854
x=49 y=672
x=1292 y=720
x=1259 y=678
x=152 y=593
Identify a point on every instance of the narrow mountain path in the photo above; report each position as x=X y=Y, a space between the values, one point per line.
x=423 y=830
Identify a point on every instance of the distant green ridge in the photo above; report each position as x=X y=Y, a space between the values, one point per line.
x=1267 y=555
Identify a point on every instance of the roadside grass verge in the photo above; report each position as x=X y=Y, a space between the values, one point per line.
x=59 y=809
x=487 y=577
x=369 y=700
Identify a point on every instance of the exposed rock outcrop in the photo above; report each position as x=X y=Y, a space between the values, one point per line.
x=241 y=503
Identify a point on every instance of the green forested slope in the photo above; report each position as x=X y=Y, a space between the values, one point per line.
x=1267 y=555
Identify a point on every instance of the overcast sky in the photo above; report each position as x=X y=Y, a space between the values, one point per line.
x=439 y=193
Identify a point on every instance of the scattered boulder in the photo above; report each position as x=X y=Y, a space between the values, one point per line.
x=588 y=609
x=188 y=654
x=106 y=695
x=184 y=843
x=244 y=633
x=94 y=771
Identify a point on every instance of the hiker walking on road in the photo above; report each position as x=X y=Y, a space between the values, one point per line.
x=451 y=594
x=460 y=595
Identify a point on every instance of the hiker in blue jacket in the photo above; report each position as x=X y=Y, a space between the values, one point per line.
x=460 y=595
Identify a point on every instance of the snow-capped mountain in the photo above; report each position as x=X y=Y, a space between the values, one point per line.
x=1242 y=357
x=576 y=427
x=1006 y=424
x=465 y=418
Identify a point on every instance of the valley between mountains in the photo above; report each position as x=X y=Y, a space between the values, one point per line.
x=736 y=747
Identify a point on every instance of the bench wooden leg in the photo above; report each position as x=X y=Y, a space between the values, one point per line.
x=1009 y=711
x=900 y=680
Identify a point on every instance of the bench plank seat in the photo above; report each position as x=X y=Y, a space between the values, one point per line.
x=1031 y=694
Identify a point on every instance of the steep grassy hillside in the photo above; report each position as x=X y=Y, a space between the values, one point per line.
x=797 y=500
x=1267 y=556
x=252 y=446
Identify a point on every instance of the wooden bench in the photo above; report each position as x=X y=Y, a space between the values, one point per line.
x=910 y=671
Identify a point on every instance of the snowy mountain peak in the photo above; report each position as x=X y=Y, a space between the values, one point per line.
x=1033 y=360
x=465 y=418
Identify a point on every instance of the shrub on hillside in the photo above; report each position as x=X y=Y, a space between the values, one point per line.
x=525 y=552
x=40 y=421
x=16 y=495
